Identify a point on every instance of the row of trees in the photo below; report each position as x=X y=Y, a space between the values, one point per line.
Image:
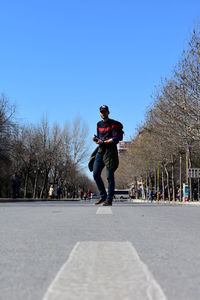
x=168 y=141
x=166 y=144
x=42 y=155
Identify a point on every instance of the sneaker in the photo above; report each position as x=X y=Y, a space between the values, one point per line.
x=99 y=201
x=107 y=203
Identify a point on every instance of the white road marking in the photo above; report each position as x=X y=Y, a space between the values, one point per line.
x=104 y=211
x=102 y=271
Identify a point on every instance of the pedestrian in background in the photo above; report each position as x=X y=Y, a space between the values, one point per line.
x=85 y=196
x=195 y=195
x=59 y=192
x=15 y=183
x=89 y=194
x=109 y=133
x=81 y=193
x=51 y=191
x=55 y=190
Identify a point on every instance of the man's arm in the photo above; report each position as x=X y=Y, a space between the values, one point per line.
x=116 y=132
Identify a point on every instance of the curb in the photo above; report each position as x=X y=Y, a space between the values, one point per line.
x=10 y=200
x=194 y=203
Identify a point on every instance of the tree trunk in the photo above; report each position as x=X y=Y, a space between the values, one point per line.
x=173 y=183
x=43 y=185
x=136 y=189
x=167 y=174
x=147 y=188
x=143 y=190
x=26 y=185
x=163 y=187
x=35 y=185
x=190 y=181
x=158 y=183
x=155 y=184
x=180 y=189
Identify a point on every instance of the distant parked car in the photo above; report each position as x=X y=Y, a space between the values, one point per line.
x=122 y=194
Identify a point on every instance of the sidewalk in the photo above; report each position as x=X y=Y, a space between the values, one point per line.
x=11 y=200
x=195 y=203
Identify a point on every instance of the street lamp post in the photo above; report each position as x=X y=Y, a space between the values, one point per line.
x=36 y=182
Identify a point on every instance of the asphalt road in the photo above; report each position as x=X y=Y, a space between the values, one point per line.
x=128 y=251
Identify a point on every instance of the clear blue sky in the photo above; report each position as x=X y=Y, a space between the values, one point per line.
x=66 y=58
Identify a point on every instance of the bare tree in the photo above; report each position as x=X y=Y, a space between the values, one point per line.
x=79 y=142
x=7 y=125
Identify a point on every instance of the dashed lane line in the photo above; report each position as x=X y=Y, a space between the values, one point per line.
x=104 y=211
x=104 y=270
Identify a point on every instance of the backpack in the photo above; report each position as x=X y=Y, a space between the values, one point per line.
x=120 y=128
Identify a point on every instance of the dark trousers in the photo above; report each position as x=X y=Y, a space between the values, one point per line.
x=15 y=191
x=97 y=169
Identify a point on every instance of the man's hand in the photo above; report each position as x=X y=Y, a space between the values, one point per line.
x=108 y=141
x=100 y=142
x=97 y=140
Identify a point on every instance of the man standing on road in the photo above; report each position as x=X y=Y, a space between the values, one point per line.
x=109 y=133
